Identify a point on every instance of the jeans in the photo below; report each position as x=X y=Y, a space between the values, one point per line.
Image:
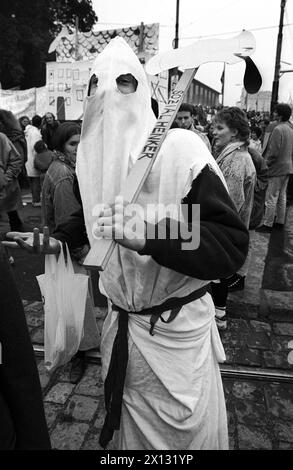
x=276 y=199
x=244 y=268
x=220 y=292
x=35 y=185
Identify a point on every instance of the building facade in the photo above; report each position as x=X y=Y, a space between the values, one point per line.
x=260 y=101
x=201 y=94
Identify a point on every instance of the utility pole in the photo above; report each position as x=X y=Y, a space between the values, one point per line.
x=275 y=88
x=223 y=82
x=174 y=72
x=76 y=36
x=76 y=33
x=246 y=101
x=141 y=38
x=176 y=39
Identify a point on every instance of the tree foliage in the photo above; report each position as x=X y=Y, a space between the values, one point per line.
x=27 y=27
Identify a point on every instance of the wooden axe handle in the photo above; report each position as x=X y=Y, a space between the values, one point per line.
x=102 y=249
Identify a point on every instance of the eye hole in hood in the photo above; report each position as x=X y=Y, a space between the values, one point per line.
x=126 y=83
x=93 y=85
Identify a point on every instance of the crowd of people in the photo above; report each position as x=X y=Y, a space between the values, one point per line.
x=255 y=156
x=160 y=343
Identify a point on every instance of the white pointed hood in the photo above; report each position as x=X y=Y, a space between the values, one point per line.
x=115 y=128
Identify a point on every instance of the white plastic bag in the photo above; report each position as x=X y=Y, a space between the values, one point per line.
x=64 y=295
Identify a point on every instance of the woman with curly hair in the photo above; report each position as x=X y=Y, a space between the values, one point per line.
x=24 y=121
x=11 y=127
x=231 y=139
x=48 y=129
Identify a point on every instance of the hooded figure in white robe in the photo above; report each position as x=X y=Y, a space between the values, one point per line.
x=173 y=395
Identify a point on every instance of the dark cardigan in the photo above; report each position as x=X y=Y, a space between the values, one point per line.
x=22 y=419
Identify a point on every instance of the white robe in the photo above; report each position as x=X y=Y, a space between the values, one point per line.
x=173 y=396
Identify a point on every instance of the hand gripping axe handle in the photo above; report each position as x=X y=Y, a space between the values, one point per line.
x=211 y=50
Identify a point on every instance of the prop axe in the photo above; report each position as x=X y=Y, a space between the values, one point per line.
x=190 y=58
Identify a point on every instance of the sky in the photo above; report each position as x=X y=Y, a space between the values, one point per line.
x=214 y=18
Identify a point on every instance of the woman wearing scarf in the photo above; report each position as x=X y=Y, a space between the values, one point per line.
x=10 y=126
x=231 y=140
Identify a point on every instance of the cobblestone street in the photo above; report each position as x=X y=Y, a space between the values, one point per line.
x=259 y=338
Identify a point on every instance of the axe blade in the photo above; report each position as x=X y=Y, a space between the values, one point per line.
x=252 y=78
x=230 y=51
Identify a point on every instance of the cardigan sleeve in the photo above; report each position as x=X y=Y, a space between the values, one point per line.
x=73 y=230
x=224 y=238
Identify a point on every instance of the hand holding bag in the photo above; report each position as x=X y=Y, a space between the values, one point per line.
x=64 y=295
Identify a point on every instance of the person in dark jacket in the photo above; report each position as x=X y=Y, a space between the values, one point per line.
x=48 y=129
x=260 y=188
x=10 y=126
x=43 y=159
x=22 y=418
x=24 y=121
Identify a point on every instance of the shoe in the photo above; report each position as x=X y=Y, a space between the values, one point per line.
x=221 y=318
x=278 y=226
x=264 y=229
x=236 y=282
x=221 y=323
x=78 y=366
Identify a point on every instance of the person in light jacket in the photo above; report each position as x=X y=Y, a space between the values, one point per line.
x=279 y=157
x=32 y=135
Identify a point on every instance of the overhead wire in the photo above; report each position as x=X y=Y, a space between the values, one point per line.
x=233 y=32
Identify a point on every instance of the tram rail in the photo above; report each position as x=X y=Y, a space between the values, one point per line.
x=228 y=371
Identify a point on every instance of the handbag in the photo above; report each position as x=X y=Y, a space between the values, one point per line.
x=64 y=296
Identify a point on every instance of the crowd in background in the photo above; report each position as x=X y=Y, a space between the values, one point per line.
x=33 y=140
x=41 y=152
x=255 y=155
x=261 y=124
x=31 y=146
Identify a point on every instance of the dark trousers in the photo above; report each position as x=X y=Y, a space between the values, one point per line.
x=220 y=293
x=15 y=221
x=22 y=419
x=290 y=189
x=35 y=185
x=7 y=431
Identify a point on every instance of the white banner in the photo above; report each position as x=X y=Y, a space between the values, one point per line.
x=24 y=102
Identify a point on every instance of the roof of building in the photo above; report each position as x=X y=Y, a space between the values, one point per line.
x=143 y=37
